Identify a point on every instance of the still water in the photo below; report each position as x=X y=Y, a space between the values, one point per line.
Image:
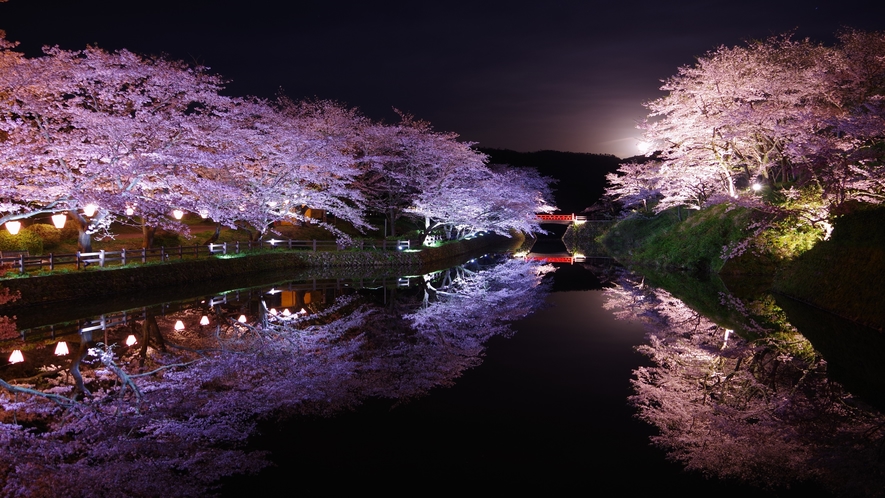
x=515 y=381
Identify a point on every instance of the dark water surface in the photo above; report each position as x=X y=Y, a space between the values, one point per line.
x=547 y=410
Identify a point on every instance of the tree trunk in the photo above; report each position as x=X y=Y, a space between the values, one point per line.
x=84 y=239
x=147 y=235
x=214 y=237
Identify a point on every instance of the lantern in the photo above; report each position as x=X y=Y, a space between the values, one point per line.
x=204 y=320
x=179 y=325
x=59 y=220
x=90 y=209
x=177 y=214
x=61 y=349
x=242 y=319
x=13 y=227
x=16 y=357
x=130 y=341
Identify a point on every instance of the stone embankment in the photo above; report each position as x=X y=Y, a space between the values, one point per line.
x=112 y=283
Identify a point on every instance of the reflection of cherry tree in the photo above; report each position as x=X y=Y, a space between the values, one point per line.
x=174 y=422
x=730 y=408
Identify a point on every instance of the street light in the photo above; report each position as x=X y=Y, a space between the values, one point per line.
x=90 y=209
x=177 y=213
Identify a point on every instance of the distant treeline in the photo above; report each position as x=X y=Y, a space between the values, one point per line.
x=581 y=176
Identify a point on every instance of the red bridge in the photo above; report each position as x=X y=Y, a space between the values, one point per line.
x=561 y=219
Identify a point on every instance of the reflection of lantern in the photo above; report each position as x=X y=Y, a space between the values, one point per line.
x=273 y=311
x=59 y=220
x=177 y=213
x=16 y=357
x=130 y=341
x=179 y=325
x=61 y=349
x=303 y=311
x=286 y=312
x=13 y=226
x=204 y=320
x=89 y=210
x=242 y=319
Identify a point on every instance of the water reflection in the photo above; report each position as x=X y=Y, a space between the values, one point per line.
x=758 y=406
x=170 y=413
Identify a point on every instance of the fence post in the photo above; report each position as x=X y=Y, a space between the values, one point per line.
x=123 y=256
x=238 y=247
x=21 y=263
x=51 y=263
x=78 y=260
x=144 y=255
x=314 y=245
x=224 y=247
x=162 y=253
x=180 y=255
x=101 y=258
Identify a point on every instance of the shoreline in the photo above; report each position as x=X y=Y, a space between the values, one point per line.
x=118 y=283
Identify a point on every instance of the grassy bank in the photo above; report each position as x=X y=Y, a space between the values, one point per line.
x=687 y=240
x=844 y=275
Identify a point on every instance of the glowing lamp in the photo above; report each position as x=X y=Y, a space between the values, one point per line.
x=179 y=325
x=273 y=311
x=16 y=357
x=303 y=311
x=59 y=220
x=177 y=213
x=13 y=226
x=286 y=312
x=757 y=187
x=204 y=320
x=61 y=349
x=90 y=209
x=242 y=319
x=130 y=211
x=130 y=341
x=204 y=213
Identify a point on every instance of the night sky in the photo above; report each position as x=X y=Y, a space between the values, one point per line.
x=527 y=76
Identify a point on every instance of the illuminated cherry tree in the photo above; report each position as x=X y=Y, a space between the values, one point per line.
x=124 y=132
x=774 y=111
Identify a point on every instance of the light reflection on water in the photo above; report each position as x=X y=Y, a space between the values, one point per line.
x=541 y=403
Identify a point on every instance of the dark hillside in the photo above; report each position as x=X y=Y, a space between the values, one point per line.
x=581 y=176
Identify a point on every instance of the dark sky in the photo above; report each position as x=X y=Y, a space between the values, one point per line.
x=562 y=75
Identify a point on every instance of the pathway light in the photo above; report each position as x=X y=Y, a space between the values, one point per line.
x=242 y=319
x=16 y=356
x=177 y=214
x=131 y=341
x=204 y=320
x=179 y=325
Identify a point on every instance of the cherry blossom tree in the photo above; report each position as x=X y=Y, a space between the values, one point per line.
x=778 y=111
x=117 y=130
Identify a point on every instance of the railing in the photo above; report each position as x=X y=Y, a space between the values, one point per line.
x=21 y=261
